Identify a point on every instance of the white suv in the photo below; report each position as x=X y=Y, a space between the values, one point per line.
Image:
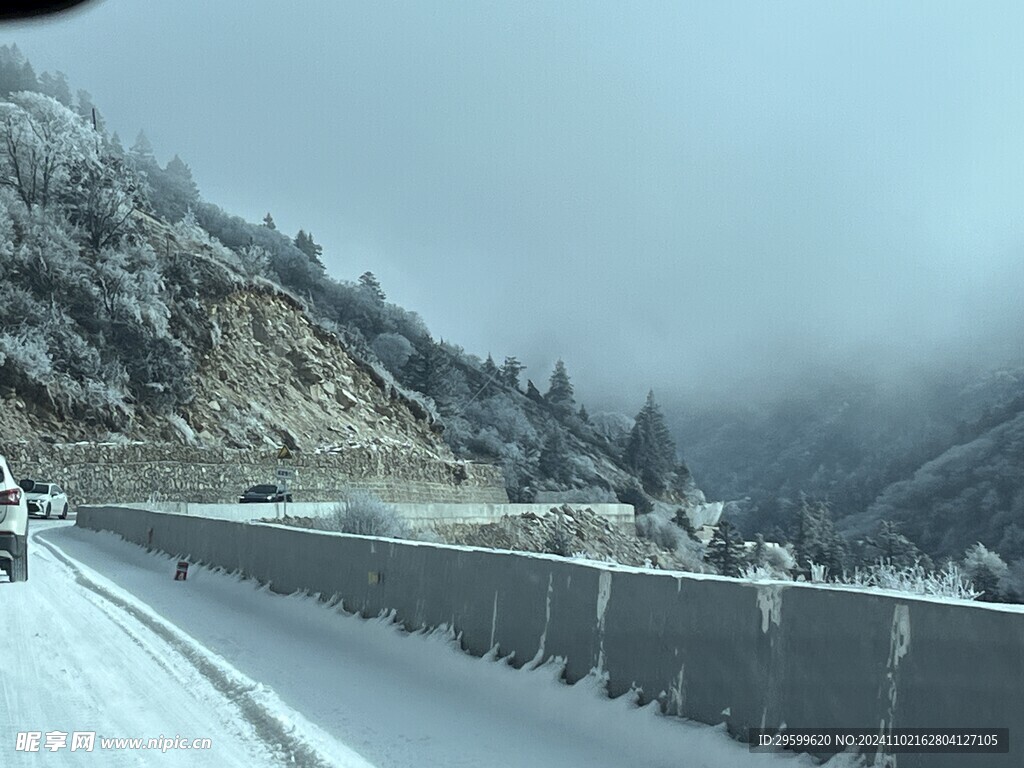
x=13 y=526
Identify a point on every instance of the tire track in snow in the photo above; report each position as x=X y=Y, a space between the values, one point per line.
x=258 y=706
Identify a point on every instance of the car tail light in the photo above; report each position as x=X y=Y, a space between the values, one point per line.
x=10 y=497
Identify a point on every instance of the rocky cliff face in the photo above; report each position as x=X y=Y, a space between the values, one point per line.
x=272 y=377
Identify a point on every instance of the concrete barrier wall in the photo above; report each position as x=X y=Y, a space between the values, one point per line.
x=708 y=648
x=620 y=515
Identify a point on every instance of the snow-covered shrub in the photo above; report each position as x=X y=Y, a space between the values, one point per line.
x=779 y=559
x=393 y=350
x=28 y=354
x=363 y=513
x=255 y=261
x=757 y=573
x=819 y=572
x=986 y=570
x=916 y=580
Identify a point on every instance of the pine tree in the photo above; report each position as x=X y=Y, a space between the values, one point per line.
x=682 y=481
x=583 y=415
x=510 y=371
x=414 y=372
x=28 y=81
x=174 y=192
x=651 y=452
x=554 y=458
x=56 y=85
x=431 y=372
x=759 y=555
x=889 y=545
x=986 y=570
x=369 y=283
x=815 y=539
x=560 y=392
x=488 y=367
x=725 y=550
x=87 y=110
x=10 y=69
x=305 y=243
x=142 y=159
x=268 y=221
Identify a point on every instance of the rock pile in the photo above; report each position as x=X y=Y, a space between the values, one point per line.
x=565 y=531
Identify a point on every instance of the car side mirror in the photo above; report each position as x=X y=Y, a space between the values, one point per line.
x=38 y=8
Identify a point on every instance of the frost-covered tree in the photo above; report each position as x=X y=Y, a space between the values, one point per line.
x=104 y=194
x=370 y=285
x=56 y=86
x=986 y=570
x=891 y=546
x=555 y=461
x=41 y=141
x=759 y=554
x=430 y=371
x=130 y=284
x=510 y=370
x=255 y=260
x=116 y=146
x=91 y=116
x=142 y=155
x=560 y=391
x=651 y=452
x=174 y=191
x=268 y=221
x=815 y=539
x=491 y=374
x=16 y=73
x=307 y=245
x=489 y=367
x=392 y=349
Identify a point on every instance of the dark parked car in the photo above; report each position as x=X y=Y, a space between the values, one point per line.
x=262 y=494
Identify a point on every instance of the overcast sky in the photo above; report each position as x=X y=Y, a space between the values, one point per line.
x=672 y=195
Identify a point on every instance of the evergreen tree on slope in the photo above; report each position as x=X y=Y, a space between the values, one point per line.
x=560 y=391
x=651 y=452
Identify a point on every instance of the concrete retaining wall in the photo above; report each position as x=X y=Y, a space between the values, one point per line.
x=620 y=515
x=708 y=648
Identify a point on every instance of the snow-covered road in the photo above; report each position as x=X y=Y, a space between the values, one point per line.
x=110 y=643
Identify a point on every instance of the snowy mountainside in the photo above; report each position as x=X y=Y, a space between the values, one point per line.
x=132 y=309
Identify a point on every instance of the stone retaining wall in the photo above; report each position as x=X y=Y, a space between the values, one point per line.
x=96 y=473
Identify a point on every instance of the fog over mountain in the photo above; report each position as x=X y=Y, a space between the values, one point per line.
x=709 y=198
